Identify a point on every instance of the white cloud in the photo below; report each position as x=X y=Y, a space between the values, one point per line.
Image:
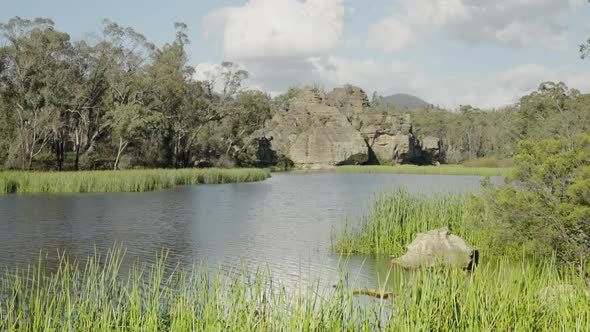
x=285 y=43
x=494 y=91
x=279 y=28
x=390 y=35
x=206 y=71
x=512 y=23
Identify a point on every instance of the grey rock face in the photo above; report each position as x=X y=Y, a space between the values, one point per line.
x=350 y=100
x=431 y=148
x=339 y=128
x=404 y=148
x=391 y=138
x=389 y=135
x=438 y=248
x=400 y=148
x=313 y=133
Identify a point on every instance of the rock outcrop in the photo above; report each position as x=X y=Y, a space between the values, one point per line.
x=438 y=248
x=312 y=133
x=387 y=134
x=339 y=128
x=431 y=149
x=349 y=99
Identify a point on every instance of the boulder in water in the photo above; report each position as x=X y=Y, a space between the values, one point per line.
x=438 y=248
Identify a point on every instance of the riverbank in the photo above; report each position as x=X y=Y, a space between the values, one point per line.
x=395 y=218
x=122 y=181
x=512 y=288
x=426 y=170
x=498 y=296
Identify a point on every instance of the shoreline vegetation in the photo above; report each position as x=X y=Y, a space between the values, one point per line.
x=535 y=286
x=427 y=170
x=100 y=296
x=119 y=101
x=144 y=180
x=528 y=278
x=14 y=182
x=396 y=217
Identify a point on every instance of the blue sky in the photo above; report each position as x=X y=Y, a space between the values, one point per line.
x=449 y=52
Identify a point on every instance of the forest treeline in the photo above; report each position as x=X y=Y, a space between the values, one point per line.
x=553 y=111
x=119 y=101
x=116 y=102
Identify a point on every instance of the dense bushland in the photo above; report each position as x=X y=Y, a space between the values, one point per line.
x=545 y=206
x=553 y=111
x=119 y=101
x=542 y=209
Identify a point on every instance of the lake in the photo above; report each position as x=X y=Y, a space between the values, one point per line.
x=284 y=222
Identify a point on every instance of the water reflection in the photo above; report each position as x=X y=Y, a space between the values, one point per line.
x=284 y=222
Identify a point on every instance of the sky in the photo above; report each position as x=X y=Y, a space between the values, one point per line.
x=448 y=52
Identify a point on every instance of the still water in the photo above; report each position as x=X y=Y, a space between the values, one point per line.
x=284 y=222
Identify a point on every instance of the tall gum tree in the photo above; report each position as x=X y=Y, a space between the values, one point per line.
x=33 y=53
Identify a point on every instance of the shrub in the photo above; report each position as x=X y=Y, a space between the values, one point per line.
x=545 y=205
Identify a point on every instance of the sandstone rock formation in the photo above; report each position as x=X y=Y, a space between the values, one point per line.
x=431 y=148
x=350 y=100
x=388 y=135
x=438 y=248
x=311 y=133
x=339 y=128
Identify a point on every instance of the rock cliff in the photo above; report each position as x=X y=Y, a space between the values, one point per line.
x=340 y=128
x=313 y=133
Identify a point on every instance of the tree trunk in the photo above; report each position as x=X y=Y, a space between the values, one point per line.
x=60 y=147
x=77 y=160
x=122 y=146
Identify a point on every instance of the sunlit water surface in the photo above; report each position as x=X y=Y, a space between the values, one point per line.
x=283 y=223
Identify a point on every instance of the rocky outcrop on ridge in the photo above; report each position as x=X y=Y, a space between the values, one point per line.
x=312 y=133
x=339 y=128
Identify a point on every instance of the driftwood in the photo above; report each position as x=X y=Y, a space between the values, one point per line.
x=373 y=292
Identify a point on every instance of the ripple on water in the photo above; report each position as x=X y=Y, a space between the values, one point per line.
x=284 y=223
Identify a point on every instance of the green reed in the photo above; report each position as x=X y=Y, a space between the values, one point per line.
x=97 y=296
x=121 y=181
x=427 y=170
x=395 y=218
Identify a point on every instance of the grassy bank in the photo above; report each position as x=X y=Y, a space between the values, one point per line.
x=395 y=218
x=427 y=170
x=507 y=292
x=121 y=181
x=96 y=297
x=489 y=163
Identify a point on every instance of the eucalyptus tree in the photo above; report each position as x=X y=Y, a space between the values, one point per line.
x=88 y=108
x=248 y=113
x=131 y=124
x=585 y=47
x=33 y=53
x=547 y=112
x=170 y=79
x=6 y=125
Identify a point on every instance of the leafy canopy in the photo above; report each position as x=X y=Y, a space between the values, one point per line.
x=545 y=205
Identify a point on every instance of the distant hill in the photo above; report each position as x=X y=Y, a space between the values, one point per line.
x=403 y=101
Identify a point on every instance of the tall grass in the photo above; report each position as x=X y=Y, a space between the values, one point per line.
x=489 y=162
x=396 y=217
x=427 y=170
x=121 y=181
x=499 y=296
